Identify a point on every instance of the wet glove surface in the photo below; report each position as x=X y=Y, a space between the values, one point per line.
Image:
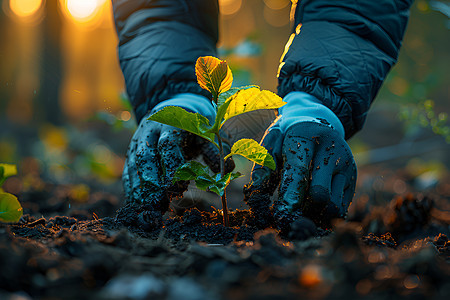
x=316 y=172
x=157 y=150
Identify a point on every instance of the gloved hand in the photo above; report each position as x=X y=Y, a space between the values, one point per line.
x=316 y=172
x=157 y=150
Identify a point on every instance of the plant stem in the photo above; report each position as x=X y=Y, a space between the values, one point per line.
x=222 y=172
x=226 y=221
x=222 y=164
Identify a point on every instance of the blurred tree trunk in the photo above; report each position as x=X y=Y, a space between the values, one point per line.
x=3 y=81
x=51 y=69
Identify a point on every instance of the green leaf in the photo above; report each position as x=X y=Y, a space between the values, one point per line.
x=205 y=183
x=221 y=110
x=7 y=170
x=229 y=177
x=190 y=171
x=193 y=170
x=180 y=118
x=10 y=208
x=253 y=151
x=218 y=185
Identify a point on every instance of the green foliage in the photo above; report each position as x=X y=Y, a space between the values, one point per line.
x=10 y=209
x=7 y=170
x=180 y=118
x=215 y=76
x=252 y=151
x=198 y=172
x=421 y=72
x=221 y=111
x=424 y=114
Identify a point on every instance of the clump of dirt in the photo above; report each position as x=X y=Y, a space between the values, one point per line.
x=386 y=251
x=409 y=214
x=442 y=244
x=192 y=225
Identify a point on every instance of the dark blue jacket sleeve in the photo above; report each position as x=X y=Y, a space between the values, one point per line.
x=342 y=51
x=159 y=43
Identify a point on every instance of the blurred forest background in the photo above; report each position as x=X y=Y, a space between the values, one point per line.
x=65 y=119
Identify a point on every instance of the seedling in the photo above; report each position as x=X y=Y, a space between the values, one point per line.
x=215 y=76
x=10 y=208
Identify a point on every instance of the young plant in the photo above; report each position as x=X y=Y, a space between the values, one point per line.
x=215 y=76
x=10 y=208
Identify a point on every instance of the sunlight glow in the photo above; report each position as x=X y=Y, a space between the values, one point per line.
x=277 y=4
x=276 y=17
x=25 y=8
x=230 y=7
x=83 y=11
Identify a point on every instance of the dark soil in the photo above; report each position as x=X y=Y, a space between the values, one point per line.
x=100 y=249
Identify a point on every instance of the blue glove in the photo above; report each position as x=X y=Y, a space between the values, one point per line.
x=316 y=172
x=157 y=150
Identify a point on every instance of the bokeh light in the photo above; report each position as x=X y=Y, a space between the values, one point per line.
x=125 y=115
x=411 y=282
x=101 y=153
x=28 y=12
x=398 y=86
x=229 y=7
x=277 y=4
x=278 y=17
x=83 y=11
x=25 y=8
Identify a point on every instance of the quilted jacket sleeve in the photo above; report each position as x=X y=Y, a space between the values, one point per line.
x=159 y=43
x=341 y=51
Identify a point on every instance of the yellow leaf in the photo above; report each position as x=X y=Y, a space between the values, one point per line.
x=252 y=99
x=8 y=170
x=213 y=75
x=253 y=151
